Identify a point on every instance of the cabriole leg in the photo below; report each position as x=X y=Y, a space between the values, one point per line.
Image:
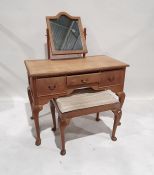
x=36 y=110
x=121 y=96
x=30 y=100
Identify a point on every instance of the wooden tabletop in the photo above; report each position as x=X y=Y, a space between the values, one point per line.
x=72 y=66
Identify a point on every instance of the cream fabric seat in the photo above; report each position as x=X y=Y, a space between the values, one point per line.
x=86 y=100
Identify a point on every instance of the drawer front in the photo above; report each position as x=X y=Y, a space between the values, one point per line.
x=116 y=88
x=113 y=77
x=83 y=80
x=50 y=86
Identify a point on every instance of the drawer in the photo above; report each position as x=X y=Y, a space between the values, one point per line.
x=50 y=86
x=116 y=88
x=83 y=80
x=113 y=77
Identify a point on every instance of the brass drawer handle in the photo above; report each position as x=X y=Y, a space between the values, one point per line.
x=84 y=81
x=51 y=87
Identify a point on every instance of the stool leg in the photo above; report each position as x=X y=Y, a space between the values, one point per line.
x=52 y=108
x=62 y=125
x=117 y=116
x=97 y=116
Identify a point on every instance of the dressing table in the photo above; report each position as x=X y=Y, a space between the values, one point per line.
x=53 y=78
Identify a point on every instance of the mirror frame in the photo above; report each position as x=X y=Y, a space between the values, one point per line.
x=51 y=41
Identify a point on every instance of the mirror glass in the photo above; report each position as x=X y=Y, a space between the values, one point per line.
x=66 y=34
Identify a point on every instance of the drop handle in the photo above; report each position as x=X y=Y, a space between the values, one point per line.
x=84 y=81
x=51 y=87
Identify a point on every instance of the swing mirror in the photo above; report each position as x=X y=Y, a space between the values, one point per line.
x=65 y=34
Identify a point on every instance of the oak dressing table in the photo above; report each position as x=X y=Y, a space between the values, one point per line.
x=49 y=79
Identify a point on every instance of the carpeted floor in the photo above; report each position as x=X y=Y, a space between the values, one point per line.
x=89 y=147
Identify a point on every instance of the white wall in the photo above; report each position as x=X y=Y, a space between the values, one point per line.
x=123 y=29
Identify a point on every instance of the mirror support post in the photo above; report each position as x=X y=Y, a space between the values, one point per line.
x=85 y=34
x=48 y=43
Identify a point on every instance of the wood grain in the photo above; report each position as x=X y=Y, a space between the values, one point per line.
x=75 y=66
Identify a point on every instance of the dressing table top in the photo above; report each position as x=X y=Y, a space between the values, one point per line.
x=72 y=66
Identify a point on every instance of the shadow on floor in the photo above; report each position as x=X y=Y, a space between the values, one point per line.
x=82 y=127
x=79 y=127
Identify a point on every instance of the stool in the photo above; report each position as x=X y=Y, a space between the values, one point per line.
x=79 y=104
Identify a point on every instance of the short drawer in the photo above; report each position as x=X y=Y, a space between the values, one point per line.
x=116 y=88
x=83 y=80
x=50 y=86
x=113 y=77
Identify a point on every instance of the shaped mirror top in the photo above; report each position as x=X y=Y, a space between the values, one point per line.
x=66 y=34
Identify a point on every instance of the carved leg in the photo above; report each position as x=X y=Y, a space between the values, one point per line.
x=117 y=115
x=36 y=110
x=62 y=125
x=97 y=116
x=121 y=96
x=52 y=108
x=30 y=99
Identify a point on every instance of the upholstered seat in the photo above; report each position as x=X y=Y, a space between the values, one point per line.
x=86 y=100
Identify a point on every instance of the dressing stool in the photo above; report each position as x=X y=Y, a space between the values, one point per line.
x=79 y=104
